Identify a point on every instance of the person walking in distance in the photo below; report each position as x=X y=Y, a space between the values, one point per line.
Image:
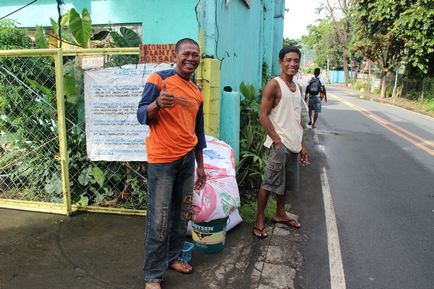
x=172 y=106
x=280 y=115
x=316 y=92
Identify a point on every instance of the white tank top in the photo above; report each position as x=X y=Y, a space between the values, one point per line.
x=286 y=118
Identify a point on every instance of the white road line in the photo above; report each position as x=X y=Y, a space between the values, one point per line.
x=337 y=276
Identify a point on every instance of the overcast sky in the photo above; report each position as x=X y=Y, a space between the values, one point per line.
x=300 y=14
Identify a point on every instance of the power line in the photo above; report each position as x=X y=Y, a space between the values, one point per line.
x=18 y=9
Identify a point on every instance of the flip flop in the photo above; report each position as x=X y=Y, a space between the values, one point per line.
x=290 y=222
x=181 y=267
x=261 y=235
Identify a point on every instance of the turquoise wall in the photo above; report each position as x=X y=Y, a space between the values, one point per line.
x=163 y=21
x=279 y=8
x=242 y=38
x=233 y=37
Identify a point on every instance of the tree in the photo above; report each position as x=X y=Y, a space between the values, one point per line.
x=323 y=41
x=339 y=13
x=374 y=35
x=391 y=32
x=415 y=28
x=292 y=42
x=12 y=37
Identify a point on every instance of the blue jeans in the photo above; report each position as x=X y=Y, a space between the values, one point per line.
x=170 y=193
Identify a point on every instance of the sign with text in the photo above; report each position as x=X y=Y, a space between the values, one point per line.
x=111 y=99
x=157 y=53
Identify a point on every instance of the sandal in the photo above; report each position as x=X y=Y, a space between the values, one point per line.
x=261 y=235
x=290 y=222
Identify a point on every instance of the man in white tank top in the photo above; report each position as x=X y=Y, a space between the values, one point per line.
x=280 y=115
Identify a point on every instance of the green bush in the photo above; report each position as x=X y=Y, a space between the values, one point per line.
x=252 y=151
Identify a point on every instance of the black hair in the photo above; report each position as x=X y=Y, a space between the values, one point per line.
x=317 y=71
x=185 y=40
x=287 y=49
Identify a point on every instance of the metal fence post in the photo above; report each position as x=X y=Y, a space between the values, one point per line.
x=63 y=148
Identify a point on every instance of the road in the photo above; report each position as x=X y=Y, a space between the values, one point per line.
x=378 y=165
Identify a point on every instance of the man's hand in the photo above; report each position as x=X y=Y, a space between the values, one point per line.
x=304 y=161
x=165 y=99
x=201 y=178
x=277 y=143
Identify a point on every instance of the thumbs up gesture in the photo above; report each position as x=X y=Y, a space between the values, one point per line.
x=166 y=98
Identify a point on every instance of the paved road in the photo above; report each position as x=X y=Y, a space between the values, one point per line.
x=379 y=161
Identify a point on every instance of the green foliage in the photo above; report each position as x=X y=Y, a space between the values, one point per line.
x=429 y=104
x=252 y=151
x=29 y=141
x=415 y=29
x=322 y=39
x=81 y=27
x=248 y=210
x=41 y=41
x=12 y=37
x=292 y=42
x=127 y=38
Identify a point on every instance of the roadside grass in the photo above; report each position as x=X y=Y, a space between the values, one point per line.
x=428 y=104
x=248 y=210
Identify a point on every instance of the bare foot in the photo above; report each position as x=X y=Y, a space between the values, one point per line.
x=152 y=285
x=181 y=267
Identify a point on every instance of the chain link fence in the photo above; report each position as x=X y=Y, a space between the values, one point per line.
x=28 y=125
x=30 y=154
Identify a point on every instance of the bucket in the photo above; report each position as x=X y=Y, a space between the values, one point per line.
x=186 y=252
x=209 y=237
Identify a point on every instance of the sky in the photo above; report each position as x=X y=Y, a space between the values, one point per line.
x=300 y=14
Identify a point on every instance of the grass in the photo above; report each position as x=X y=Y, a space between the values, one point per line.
x=248 y=210
x=428 y=104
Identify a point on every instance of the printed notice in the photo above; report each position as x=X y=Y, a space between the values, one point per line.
x=111 y=99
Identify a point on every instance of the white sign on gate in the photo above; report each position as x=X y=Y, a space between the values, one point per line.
x=111 y=98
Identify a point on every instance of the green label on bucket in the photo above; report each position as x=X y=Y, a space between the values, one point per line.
x=209 y=237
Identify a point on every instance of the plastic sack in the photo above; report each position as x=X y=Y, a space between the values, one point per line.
x=216 y=200
x=220 y=194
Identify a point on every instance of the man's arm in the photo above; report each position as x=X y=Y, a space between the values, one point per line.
x=306 y=94
x=267 y=102
x=324 y=90
x=201 y=144
x=303 y=153
x=148 y=106
x=154 y=97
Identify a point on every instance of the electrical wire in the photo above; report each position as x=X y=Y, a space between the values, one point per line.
x=15 y=11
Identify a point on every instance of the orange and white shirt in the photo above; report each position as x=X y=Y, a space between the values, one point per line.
x=176 y=130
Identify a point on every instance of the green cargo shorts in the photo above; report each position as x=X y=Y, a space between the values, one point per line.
x=281 y=171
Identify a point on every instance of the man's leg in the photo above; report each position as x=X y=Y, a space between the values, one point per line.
x=160 y=185
x=181 y=212
x=262 y=200
x=315 y=117
x=291 y=180
x=310 y=115
x=317 y=111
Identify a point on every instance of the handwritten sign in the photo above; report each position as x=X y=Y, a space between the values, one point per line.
x=157 y=53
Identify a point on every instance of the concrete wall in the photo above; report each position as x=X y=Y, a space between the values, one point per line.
x=163 y=21
x=242 y=38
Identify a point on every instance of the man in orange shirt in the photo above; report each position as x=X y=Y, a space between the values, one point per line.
x=172 y=106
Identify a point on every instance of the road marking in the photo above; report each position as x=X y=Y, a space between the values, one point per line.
x=337 y=276
x=423 y=144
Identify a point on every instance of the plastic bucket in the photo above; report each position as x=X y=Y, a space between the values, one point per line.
x=209 y=237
